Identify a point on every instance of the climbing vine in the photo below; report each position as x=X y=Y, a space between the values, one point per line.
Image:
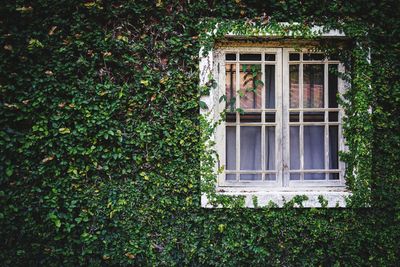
x=102 y=146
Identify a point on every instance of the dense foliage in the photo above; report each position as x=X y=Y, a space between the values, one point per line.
x=100 y=140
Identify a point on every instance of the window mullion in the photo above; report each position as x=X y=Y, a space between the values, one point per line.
x=326 y=139
x=237 y=104
x=301 y=134
x=263 y=146
x=284 y=112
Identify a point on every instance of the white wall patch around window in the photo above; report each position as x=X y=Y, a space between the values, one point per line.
x=282 y=131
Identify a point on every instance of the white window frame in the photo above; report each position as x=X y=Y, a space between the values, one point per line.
x=282 y=189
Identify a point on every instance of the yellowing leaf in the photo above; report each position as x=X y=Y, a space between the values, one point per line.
x=8 y=47
x=130 y=255
x=64 y=130
x=52 y=30
x=47 y=159
x=24 y=9
x=145 y=82
x=122 y=38
x=89 y=4
x=164 y=80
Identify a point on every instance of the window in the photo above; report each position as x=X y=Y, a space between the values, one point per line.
x=282 y=131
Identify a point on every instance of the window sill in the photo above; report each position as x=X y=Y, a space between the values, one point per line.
x=336 y=197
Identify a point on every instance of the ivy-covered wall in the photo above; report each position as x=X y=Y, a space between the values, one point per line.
x=101 y=141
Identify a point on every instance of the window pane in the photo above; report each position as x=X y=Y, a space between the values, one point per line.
x=314 y=116
x=230 y=57
x=294 y=57
x=252 y=57
x=270 y=117
x=334 y=176
x=295 y=176
x=269 y=57
x=333 y=85
x=314 y=147
x=333 y=147
x=250 y=86
x=294 y=148
x=231 y=148
x=313 y=84
x=230 y=177
x=270 y=148
x=230 y=85
x=250 y=177
x=294 y=85
x=250 y=117
x=314 y=176
x=313 y=56
x=333 y=116
x=270 y=86
x=230 y=117
x=294 y=116
x=270 y=177
x=250 y=148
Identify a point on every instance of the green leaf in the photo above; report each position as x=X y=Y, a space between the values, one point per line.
x=9 y=170
x=241 y=111
x=203 y=105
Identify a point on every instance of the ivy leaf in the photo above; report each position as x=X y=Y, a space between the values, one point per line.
x=64 y=130
x=244 y=67
x=241 y=111
x=145 y=82
x=203 y=105
x=9 y=170
x=222 y=98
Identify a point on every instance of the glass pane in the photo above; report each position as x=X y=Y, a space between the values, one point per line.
x=270 y=117
x=333 y=147
x=269 y=57
x=250 y=177
x=294 y=116
x=270 y=177
x=230 y=85
x=295 y=176
x=250 y=148
x=334 y=176
x=230 y=148
x=270 y=86
x=252 y=57
x=250 y=86
x=333 y=116
x=314 y=147
x=230 y=177
x=270 y=148
x=230 y=57
x=313 y=84
x=294 y=57
x=314 y=176
x=314 y=116
x=294 y=85
x=250 y=117
x=230 y=117
x=313 y=56
x=333 y=85
x=294 y=148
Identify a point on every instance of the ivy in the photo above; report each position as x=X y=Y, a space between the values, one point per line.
x=102 y=146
